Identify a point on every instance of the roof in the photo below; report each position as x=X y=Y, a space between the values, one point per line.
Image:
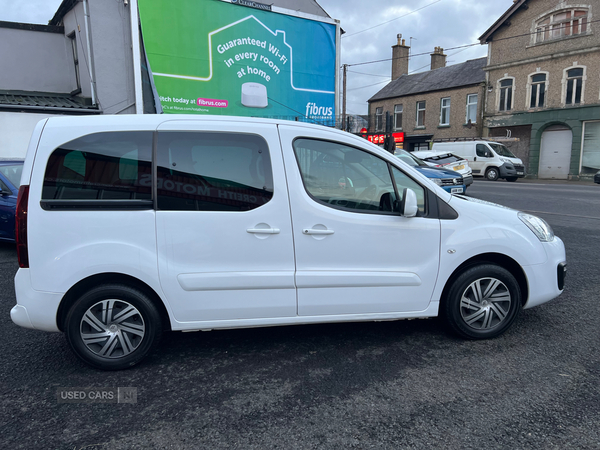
x=450 y=77
x=45 y=101
x=486 y=37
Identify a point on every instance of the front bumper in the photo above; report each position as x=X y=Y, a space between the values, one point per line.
x=546 y=281
x=34 y=309
x=509 y=170
x=468 y=180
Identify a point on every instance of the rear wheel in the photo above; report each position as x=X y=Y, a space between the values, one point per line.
x=483 y=302
x=511 y=179
x=113 y=327
x=492 y=174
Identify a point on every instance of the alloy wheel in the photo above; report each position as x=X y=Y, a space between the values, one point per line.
x=112 y=328
x=485 y=304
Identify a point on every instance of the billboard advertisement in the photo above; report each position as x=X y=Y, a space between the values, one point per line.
x=240 y=58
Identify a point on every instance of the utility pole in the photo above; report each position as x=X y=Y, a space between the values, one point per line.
x=345 y=67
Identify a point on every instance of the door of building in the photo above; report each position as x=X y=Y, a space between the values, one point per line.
x=555 y=153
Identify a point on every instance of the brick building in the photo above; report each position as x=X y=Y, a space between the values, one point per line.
x=543 y=85
x=444 y=102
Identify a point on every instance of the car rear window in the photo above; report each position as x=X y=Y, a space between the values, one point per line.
x=13 y=173
x=101 y=166
x=443 y=159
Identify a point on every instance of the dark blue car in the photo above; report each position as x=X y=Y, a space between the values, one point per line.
x=449 y=180
x=10 y=180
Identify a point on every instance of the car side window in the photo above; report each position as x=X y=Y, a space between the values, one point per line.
x=206 y=171
x=345 y=177
x=404 y=181
x=482 y=151
x=101 y=166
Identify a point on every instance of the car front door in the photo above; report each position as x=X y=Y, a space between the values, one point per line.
x=224 y=234
x=354 y=253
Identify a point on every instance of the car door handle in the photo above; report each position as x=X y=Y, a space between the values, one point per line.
x=263 y=230
x=316 y=232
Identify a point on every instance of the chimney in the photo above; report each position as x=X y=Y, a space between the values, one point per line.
x=438 y=59
x=400 y=58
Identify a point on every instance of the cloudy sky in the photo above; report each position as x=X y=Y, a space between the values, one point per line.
x=431 y=23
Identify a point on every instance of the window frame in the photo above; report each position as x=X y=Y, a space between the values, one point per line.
x=419 y=110
x=470 y=105
x=507 y=108
x=531 y=85
x=445 y=109
x=544 y=33
x=398 y=114
x=565 y=83
x=379 y=118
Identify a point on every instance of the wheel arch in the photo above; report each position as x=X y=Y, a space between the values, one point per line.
x=491 y=258
x=88 y=283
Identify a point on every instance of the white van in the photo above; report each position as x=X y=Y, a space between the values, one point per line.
x=128 y=225
x=487 y=159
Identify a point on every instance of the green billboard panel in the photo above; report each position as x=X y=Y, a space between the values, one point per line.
x=218 y=57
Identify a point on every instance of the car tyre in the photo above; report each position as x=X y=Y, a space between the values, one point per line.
x=482 y=302
x=113 y=327
x=511 y=179
x=492 y=174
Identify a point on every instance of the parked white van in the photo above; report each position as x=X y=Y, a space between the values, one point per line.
x=127 y=225
x=487 y=159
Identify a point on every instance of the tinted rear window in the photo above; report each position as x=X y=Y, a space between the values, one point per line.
x=204 y=171
x=101 y=166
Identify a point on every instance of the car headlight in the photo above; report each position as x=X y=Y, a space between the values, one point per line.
x=437 y=181
x=539 y=227
x=506 y=160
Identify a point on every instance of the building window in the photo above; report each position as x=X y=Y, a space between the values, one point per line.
x=398 y=117
x=538 y=90
x=421 y=114
x=506 y=94
x=445 y=111
x=379 y=119
x=562 y=24
x=574 y=86
x=472 y=108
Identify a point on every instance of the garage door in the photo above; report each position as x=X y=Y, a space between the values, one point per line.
x=555 y=158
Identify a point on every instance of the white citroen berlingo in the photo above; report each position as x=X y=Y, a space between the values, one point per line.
x=127 y=225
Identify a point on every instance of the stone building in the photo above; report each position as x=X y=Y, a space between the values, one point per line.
x=543 y=85
x=444 y=102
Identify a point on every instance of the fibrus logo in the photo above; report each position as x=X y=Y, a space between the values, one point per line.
x=313 y=110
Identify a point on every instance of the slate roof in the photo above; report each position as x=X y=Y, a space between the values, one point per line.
x=45 y=101
x=450 y=77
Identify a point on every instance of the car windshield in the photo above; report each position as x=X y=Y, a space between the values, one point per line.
x=13 y=173
x=502 y=150
x=409 y=159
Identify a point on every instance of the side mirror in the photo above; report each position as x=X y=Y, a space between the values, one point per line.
x=488 y=154
x=408 y=205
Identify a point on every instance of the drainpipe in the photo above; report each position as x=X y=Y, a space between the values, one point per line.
x=135 y=48
x=88 y=34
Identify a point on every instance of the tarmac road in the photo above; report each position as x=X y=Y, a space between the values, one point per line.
x=405 y=384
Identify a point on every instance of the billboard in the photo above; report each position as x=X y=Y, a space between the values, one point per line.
x=225 y=57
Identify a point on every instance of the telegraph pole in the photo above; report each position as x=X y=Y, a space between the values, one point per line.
x=345 y=67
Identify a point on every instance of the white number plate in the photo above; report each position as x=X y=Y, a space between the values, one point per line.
x=519 y=173
x=456 y=190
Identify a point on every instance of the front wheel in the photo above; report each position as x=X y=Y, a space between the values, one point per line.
x=511 y=179
x=492 y=174
x=483 y=302
x=113 y=327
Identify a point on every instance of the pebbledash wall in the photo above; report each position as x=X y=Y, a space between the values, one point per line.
x=517 y=59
